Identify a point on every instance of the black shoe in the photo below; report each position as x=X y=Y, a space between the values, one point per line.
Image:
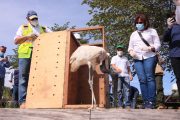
x=150 y=105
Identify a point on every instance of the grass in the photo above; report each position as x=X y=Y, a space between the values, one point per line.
x=6 y=101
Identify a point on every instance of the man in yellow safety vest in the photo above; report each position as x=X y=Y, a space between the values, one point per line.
x=25 y=36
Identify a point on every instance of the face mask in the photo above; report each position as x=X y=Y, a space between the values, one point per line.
x=1 y=54
x=120 y=53
x=34 y=23
x=140 y=27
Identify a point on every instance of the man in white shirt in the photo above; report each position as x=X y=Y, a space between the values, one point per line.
x=25 y=36
x=121 y=66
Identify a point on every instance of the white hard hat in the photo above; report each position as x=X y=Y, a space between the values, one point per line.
x=77 y=36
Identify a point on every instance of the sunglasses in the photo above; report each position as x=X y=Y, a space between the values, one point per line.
x=34 y=19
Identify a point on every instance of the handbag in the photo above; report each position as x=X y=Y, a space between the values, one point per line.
x=160 y=59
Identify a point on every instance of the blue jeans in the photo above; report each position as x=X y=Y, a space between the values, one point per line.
x=145 y=70
x=123 y=92
x=24 y=67
x=15 y=93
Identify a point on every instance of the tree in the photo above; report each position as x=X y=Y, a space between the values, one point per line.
x=14 y=59
x=117 y=16
x=66 y=26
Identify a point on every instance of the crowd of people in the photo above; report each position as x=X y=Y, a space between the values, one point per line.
x=143 y=46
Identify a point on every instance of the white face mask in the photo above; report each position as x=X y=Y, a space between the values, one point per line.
x=120 y=53
x=34 y=23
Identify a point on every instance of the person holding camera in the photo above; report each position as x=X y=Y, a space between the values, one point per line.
x=4 y=63
x=143 y=44
x=172 y=36
x=25 y=36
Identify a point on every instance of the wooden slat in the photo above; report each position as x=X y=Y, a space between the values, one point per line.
x=88 y=29
x=45 y=88
x=95 y=114
x=85 y=106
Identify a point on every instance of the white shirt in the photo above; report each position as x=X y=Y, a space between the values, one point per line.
x=7 y=79
x=36 y=30
x=122 y=63
x=140 y=48
x=177 y=12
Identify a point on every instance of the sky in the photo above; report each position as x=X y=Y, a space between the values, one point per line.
x=13 y=14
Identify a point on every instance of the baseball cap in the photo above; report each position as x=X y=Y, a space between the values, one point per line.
x=32 y=14
x=120 y=46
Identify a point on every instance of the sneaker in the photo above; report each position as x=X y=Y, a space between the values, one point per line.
x=150 y=105
x=145 y=104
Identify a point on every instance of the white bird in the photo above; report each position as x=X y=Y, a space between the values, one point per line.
x=91 y=56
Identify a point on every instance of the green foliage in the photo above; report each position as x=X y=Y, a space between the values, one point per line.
x=7 y=102
x=66 y=26
x=117 y=16
x=14 y=59
x=7 y=93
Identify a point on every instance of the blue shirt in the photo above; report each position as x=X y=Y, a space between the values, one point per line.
x=3 y=65
x=173 y=37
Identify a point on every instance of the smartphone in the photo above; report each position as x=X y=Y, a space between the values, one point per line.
x=173 y=19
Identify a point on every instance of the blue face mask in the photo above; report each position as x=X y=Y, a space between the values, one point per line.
x=140 y=26
x=1 y=54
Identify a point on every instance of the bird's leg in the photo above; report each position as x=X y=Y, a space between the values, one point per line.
x=90 y=81
x=94 y=99
x=91 y=85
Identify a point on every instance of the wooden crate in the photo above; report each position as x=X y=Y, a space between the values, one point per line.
x=51 y=84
